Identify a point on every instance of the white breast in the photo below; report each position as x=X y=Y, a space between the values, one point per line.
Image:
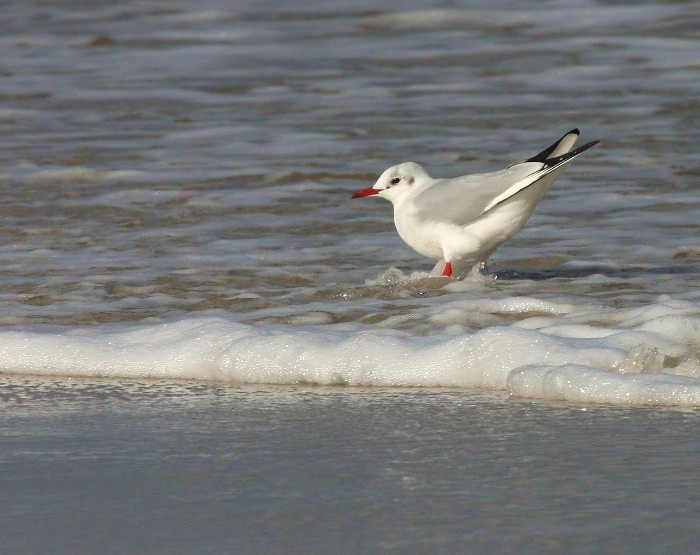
x=423 y=237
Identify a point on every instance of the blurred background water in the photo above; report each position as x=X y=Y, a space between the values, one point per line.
x=187 y=166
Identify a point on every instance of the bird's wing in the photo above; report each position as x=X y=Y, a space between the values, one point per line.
x=463 y=199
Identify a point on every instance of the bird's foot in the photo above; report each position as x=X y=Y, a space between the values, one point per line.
x=448 y=269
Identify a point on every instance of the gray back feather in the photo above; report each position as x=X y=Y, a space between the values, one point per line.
x=461 y=200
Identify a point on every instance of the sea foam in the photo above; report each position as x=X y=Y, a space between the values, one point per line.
x=642 y=356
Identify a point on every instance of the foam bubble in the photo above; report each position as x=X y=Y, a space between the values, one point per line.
x=596 y=359
x=394 y=276
x=579 y=383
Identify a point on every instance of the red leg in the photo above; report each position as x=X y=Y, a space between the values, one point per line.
x=448 y=269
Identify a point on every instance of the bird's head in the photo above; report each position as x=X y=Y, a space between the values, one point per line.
x=397 y=183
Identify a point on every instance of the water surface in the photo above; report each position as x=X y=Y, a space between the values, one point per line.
x=176 y=467
x=175 y=183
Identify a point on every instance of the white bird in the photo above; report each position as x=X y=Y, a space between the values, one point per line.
x=466 y=218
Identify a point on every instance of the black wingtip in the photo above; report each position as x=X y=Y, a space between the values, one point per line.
x=542 y=156
x=549 y=162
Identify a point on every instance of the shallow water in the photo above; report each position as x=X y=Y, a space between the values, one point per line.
x=175 y=467
x=175 y=183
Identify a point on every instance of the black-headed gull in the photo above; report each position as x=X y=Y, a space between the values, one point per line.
x=466 y=218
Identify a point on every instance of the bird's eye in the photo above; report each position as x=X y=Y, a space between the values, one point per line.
x=395 y=180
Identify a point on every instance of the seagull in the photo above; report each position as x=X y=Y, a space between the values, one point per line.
x=464 y=219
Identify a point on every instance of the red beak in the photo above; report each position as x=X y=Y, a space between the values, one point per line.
x=365 y=192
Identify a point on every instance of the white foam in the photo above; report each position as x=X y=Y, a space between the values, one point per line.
x=394 y=276
x=652 y=362
x=39 y=174
x=578 y=383
x=438 y=18
x=217 y=349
